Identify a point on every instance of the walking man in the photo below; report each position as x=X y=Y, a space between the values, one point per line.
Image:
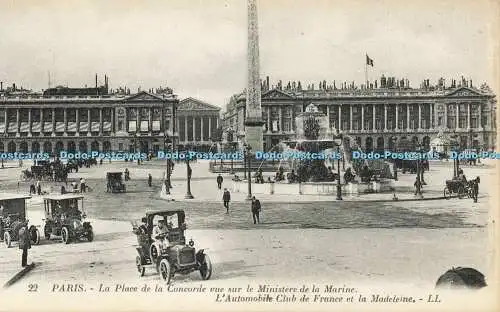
x=418 y=186
x=150 y=180
x=255 y=210
x=220 y=179
x=476 y=188
x=24 y=243
x=226 y=198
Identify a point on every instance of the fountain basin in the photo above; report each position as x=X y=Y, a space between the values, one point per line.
x=316 y=188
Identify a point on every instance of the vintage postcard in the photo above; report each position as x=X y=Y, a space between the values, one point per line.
x=249 y=155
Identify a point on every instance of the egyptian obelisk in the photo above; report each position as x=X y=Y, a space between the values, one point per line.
x=253 y=118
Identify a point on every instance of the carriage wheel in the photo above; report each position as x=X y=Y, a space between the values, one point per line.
x=206 y=268
x=165 y=271
x=461 y=193
x=65 y=235
x=447 y=193
x=35 y=236
x=7 y=239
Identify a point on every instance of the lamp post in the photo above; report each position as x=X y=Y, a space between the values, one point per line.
x=419 y=169
x=189 y=171
x=248 y=148
x=338 y=140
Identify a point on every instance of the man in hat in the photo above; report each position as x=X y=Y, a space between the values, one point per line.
x=226 y=197
x=24 y=242
x=255 y=210
x=220 y=179
x=150 y=180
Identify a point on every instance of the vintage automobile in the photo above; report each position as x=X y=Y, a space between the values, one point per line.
x=12 y=216
x=63 y=218
x=115 y=182
x=173 y=257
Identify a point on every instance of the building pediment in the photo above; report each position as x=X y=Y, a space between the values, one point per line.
x=143 y=96
x=195 y=104
x=463 y=92
x=276 y=94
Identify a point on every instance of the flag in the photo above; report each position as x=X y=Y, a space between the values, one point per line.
x=369 y=61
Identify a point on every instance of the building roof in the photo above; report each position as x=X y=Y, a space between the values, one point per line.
x=285 y=94
x=195 y=104
x=10 y=196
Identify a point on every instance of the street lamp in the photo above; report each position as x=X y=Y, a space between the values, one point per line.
x=168 y=185
x=248 y=148
x=338 y=141
x=189 y=171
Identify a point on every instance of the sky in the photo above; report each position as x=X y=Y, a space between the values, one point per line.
x=198 y=47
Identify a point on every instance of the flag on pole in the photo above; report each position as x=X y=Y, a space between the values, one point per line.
x=369 y=61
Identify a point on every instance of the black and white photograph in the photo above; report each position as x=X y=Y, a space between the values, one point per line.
x=249 y=155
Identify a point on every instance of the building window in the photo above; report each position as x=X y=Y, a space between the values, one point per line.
x=474 y=122
x=121 y=126
x=120 y=147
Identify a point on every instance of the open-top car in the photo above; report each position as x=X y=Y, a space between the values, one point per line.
x=164 y=246
x=115 y=182
x=64 y=217
x=12 y=217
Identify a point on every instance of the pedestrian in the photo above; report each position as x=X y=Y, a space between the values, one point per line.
x=39 y=189
x=150 y=180
x=418 y=186
x=220 y=179
x=226 y=198
x=74 y=186
x=255 y=210
x=476 y=188
x=83 y=185
x=24 y=243
x=32 y=189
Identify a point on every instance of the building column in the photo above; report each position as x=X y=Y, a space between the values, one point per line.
x=363 y=117
x=18 y=123
x=150 y=120
x=186 y=135
x=210 y=127
x=446 y=115
x=408 y=117
x=89 y=129
x=374 y=126
x=280 y=111
x=468 y=115
x=269 y=125
x=6 y=122
x=41 y=123
x=201 y=129
x=350 y=117
x=480 y=123
x=65 y=120
x=29 y=125
x=457 y=114
x=54 y=124
x=328 y=116
x=113 y=126
x=100 y=121
x=419 y=117
x=385 y=117
x=397 y=117
x=138 y=120
x=340 y=116
x=77 y=113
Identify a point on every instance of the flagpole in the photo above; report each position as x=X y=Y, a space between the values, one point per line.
x=366 y=70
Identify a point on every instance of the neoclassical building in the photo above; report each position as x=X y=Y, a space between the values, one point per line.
x=198 y=125
x=379 y=116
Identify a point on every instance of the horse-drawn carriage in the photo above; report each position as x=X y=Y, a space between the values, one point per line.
x=12 y=217
x=459 y=187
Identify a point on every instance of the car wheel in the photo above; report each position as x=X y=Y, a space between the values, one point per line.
x=165 y=271
x=206 y=268
x=90 y=235
x=35 y=236
x=46 y=232
x=447 y=193
x=7 y=239
x=140 y=268
x=65 y=235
